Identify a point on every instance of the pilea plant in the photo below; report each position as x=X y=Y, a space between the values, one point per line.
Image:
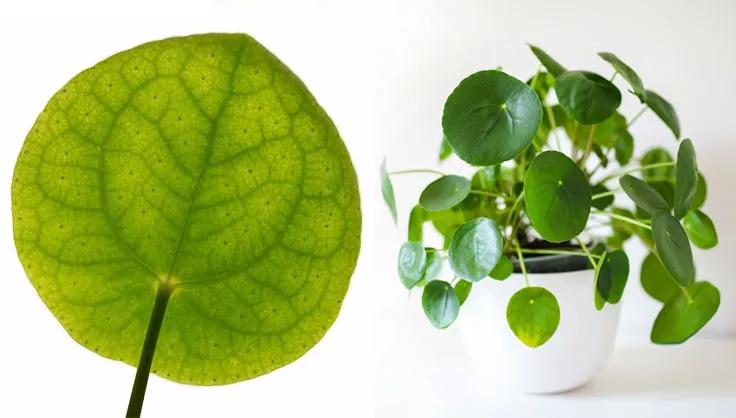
x=545 y=184
x=188 y=198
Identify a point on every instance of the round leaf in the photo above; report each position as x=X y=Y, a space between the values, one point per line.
x=503 y=269
x=475 y=249
x=490 y=117
x=612 y=276
x=462 y=291
x=627 y=73
x=412 y=263
x=681 y=317
x=687 y=178
x=444 y=193
x=664 y=110
x=587 y=97
x=699 y=227
x=533 y=315
x=440 y=303
x=673 y=248
x=624 y=148
x=199 y=166
x=557 y=196
x=415 y=226
x=656 y=281
x=644 y=195
x=387 y=190
x=658 y=155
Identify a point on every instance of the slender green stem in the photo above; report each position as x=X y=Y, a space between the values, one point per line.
x=635 y=169
x=588 y=145
x=623 y=218
x=420 y=170
x=613 y=77
x=603 y=194
x=135 y=405
x=553 y=124
x=587 y=252
x=521 y=262
x=484 y=193
x=687 y=294
x=637 y=116
x=556 y=252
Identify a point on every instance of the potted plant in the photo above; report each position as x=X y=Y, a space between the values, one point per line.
x=534 y=239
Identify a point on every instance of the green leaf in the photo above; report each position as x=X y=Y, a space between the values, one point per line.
x=587 y=97
x=440 y=303
x=644 y=195
x=701 y=192
x=612 y=276
x=462 y=290
x=417 y=217
x=673 y=248
x=605 y=133
x=549 y=63
x=444 y=193
x=445 y=149
x=387 y=189
x=412 y=263
x=475 y=249
x=658 y=155
x=664 y=110
x=598 y=298
x=490 y=117
x=486 y=178
x=687 y=178
x=434 y=265
x=533 y=315
x=197 y=168
x=681 y=318
x=699 y=227
x=627 y=73
x=557 y=196
x=656 y=281
x=624 y=148
x=601 y=202
x=503 y=269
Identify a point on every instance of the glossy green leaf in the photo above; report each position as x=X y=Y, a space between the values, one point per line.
x=440 y=303
x=612 y=276
x=445 y=149
x=557 y=196
x=503 y=269
x=658 y=155
x=475 y=249
x=644 y=195
x=412 y=263
x=387 y=190
x=415 y=226
x=699 y=227
x=490 y=117
x=687 y=178
x=665 y=111
x=602 y=202
x=666 y=189
x=462 y=291
x=587 y=97
x=656 y=280
x=605 y=133
x=682 y=317
x=533 y=315
x=673 y=248
x=434 y=265
x=549 y=63
x=444 y=193
x=197 y=168
x=624 y=148
x=701 y=192
x=627 y=73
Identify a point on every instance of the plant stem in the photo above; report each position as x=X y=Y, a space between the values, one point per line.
x=635 y=169
x=521 y=262
x=603 y=194
x=135 y=405
x=553 y=124
x=588 y=145
x=555 y=252
x=420 y=170
x=484 y=193
x=613 y=77
x=623 y=218
x=637 y=116
x=687 y=294
x=587 y=252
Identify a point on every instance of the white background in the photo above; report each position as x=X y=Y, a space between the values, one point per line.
x=382 y=69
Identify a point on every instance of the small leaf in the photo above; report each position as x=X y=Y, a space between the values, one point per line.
x=664 y=110
x=533 y=315
x=557 y=196
x=612 y=276
x=673 y=248
x=434 y=265
x=387 y=189
x=624 y=148
x=412 y=263
x=490 y=117
x=462 y=290
x=587 y=97
x=503 y=269
x=687 y=178
x=627 y=73
x=658 y=155
x=417 y=217
x=701 y=192
x=445 y=149
x=549 y=63
x=475 y=249
x=656 y=280
x=681 y=318
x=444 y=193
x=440 y=303
x=644 y=195
x=603 y=202
x=699 y=227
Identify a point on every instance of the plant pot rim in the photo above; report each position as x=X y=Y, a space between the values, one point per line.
x=553 y=263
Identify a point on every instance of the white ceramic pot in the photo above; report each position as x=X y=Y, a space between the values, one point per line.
x=576 y=352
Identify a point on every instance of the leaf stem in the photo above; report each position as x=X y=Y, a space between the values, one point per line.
x=521 y=262
x=635 y=169
x=135 y=405
x=687 y=294
x=556 y=252
x=637 y=116
x=623 y=218
x=587 y=252
x=420 y=170
x=603 y=194
x=588 y=145
x=484 y=193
